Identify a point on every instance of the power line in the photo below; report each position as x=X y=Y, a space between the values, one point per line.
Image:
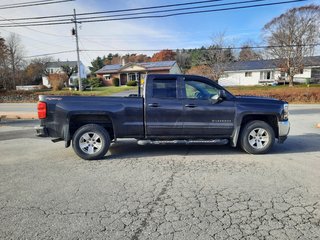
x=206 y=49
x=175 y=49
x=195 y=12
x=49 y=54
x=116 y=11
x=151 y=16
x=36 y=3
x=23 y=3
x=51 y=34
x=151 y=12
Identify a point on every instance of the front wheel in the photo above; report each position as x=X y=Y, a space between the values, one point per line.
x=257 y=137
x=91 y=142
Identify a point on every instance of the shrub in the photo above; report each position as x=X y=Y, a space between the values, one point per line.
x=57 y=81
x=132 y=83
x=115 y=81
x=95 y=82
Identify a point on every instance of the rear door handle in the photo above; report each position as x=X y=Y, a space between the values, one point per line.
x=190 y=105
x=153 y=105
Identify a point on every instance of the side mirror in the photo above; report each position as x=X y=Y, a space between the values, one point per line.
x=219 y=97
x=222 y=94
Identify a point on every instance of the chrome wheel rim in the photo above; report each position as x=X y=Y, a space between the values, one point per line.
x=90 y=143
x=258 y=138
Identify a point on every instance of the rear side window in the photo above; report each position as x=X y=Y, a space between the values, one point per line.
x=164 y=88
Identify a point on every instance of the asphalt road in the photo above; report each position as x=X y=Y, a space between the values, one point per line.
x=18 y=107
x=161 y=192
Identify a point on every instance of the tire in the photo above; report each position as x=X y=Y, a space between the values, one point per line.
x=257 y=137
x=91 y=142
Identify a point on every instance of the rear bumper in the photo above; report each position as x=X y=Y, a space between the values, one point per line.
x=284 y=129
x=41 y=131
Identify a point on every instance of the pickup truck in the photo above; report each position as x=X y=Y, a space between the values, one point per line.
x=168 y=109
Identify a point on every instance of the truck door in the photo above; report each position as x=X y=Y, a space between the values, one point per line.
x=163 y=107
x=204 y=117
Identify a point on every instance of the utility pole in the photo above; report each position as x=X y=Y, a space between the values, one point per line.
x=75 y=32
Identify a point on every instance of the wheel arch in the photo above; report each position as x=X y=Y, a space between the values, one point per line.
x=78 y=120
x=270 y=119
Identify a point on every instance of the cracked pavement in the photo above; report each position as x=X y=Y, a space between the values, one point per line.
x=163 y=192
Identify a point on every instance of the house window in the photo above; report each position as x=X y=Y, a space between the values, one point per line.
x=248 y=74
x=133 y=77
x=301 y=71
x=107 y=76
x=266 y=75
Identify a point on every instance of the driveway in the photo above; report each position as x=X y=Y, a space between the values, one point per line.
x=161 y=192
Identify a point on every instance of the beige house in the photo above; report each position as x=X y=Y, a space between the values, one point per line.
x=136 y=71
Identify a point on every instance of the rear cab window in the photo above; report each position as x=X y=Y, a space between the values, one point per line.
x=164 y=88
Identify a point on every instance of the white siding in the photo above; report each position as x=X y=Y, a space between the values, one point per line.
x=239 y=78
x=301 y=78
x=45 y=81
x=175 y=69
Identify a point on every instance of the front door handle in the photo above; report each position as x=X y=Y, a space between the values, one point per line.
x=153 y=105
x=190 y=105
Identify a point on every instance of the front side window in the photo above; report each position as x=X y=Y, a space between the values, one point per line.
x=200 y=90
x=164 y=88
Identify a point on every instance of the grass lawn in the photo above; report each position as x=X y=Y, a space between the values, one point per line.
x=101 y=91
x=296 y=94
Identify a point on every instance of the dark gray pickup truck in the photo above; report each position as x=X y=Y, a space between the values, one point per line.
x=169 y=109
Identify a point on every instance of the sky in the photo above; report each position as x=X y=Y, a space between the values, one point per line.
x=189 y=31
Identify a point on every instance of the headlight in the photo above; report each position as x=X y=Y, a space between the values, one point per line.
x=285 y=111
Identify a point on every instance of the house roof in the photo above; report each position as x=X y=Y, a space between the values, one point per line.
x=58 y=64
x=267 y=64
x=147 y=65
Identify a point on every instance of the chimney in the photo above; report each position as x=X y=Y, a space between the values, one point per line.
x=123 y=61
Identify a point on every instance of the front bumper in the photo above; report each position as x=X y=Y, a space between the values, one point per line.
x=41 y=131
x=284 y=129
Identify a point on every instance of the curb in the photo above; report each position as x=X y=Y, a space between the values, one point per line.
x=18 y=115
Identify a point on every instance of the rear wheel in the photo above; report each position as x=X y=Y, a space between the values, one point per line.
x=257 y=137
x=91 y=142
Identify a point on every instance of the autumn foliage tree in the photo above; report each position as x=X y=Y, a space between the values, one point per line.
x=164 y=55
x=202 y=70
x=57 y=80
x=36 y=69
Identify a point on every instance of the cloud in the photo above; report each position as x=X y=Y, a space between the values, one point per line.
x=140 y=34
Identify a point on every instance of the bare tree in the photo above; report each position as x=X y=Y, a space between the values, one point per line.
x=247 y=53
x=217 y=56
x=3 y=64
x=15 y=57
x=69 y=70
x=292 y=36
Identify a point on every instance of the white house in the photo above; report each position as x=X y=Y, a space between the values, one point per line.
x=56 y=67
x=267 y=72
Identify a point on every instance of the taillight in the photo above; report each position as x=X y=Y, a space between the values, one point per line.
x=42 y=110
